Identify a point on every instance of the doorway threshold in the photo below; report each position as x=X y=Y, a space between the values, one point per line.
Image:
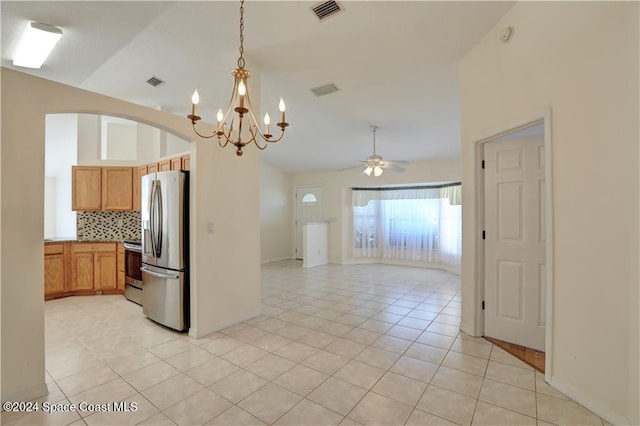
x=529 y=356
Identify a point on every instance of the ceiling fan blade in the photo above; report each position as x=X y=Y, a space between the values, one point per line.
x=352 y=167
x=394 y=167
x=399 y=162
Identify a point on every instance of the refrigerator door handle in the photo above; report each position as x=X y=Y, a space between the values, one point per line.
x=152 y=218
x=172 y=276
x=159 y=231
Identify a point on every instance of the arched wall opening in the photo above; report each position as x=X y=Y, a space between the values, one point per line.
x=225 y=274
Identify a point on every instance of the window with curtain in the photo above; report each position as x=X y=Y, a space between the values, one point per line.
x=422 y=224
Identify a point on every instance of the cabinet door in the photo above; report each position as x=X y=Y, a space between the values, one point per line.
x=120 y=273
x=82 y=271
x=176 y=163
x=86 y=188
x=164 y=165
x=105 y=271
x=152 y=168
x=53 y=274
x=135 y=189
x=137 y=185
x=117 y=188
x=186 y=162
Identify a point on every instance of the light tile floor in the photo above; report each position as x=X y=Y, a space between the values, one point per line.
x=335 y=345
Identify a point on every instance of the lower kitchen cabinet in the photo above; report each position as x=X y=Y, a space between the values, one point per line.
x=120 y=262
x=75 y=268
x=105 y=271
x=83 y=271
x=57 y=280
x=94 y=266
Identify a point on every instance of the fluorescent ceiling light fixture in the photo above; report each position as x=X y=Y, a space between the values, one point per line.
x=37 y=43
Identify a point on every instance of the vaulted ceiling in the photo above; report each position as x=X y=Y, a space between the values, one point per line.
x=395 y=64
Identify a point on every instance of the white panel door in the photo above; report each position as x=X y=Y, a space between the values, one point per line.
x=308 y=209
x=515 y=241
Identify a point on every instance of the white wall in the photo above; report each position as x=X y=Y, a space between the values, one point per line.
x=276 y=221
x=175 y=145
x=148 y=144
x=61 y=145
x=336 y=204
x=119 y=141
x=581 y=60
x=50 y=206
x=89 y=136
x=225 y=266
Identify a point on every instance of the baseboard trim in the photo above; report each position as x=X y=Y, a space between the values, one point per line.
x=392 y=262
x=199 y=333
x=587 y=402
x=282 y=259
x=29 y=394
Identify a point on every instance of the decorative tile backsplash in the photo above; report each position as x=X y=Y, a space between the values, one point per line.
x=108 y=226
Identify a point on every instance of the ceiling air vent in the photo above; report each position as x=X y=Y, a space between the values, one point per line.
x=325 y=90
x=155 y=81
x=326 y=8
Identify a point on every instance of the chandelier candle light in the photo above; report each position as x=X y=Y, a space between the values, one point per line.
x=240 y=104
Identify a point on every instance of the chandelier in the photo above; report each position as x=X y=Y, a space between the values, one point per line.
x=230 y=129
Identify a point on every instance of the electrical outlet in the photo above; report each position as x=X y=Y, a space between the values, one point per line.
x=210 y=228
x=120 y=222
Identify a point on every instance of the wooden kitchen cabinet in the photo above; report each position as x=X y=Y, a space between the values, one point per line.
x=56 y=280
x=138 y=172
x=120 y=263
x=176 y=163
x=94 y=266
x=117 y=188
x=86 y=188
x=105 y=267
x=83 y=270
x=164 y=165
x=152 y=168
x=186 y=162
x=102 y=188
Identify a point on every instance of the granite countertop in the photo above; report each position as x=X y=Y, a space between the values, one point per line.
x=76 y=240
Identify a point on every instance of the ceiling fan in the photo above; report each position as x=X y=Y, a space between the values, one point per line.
x=375 y=164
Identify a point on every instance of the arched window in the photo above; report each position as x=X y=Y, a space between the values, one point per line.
x=309 y=198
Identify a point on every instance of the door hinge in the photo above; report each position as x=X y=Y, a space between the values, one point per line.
x=483 y=164
x=483 y=305
x=484 y=235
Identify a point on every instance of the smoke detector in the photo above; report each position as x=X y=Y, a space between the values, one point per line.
x=506 y=34
x=325 y=90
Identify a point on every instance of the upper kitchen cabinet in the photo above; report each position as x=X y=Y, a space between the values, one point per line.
x=102 y=188
x=86 y=187
x=117 y=188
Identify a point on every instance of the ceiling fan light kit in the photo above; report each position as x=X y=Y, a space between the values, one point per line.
x=239 y=108
x=375 y=165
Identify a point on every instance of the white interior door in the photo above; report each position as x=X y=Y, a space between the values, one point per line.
x=308 y=209
x=515 y=268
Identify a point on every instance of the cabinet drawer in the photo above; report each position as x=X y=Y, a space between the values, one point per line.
x=92 y=247
x=53 y=248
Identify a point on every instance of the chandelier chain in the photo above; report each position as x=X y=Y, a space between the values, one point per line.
x=241 y=58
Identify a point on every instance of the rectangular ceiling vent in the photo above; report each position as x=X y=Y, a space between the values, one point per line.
x=326 y=9
x=325 y=90
x=155 y=81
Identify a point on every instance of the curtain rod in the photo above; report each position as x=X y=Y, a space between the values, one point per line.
x=396 y=188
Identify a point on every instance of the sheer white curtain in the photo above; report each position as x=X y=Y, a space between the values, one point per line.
x=415 y=224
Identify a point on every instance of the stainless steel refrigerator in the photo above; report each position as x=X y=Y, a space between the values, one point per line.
x=165 y=242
